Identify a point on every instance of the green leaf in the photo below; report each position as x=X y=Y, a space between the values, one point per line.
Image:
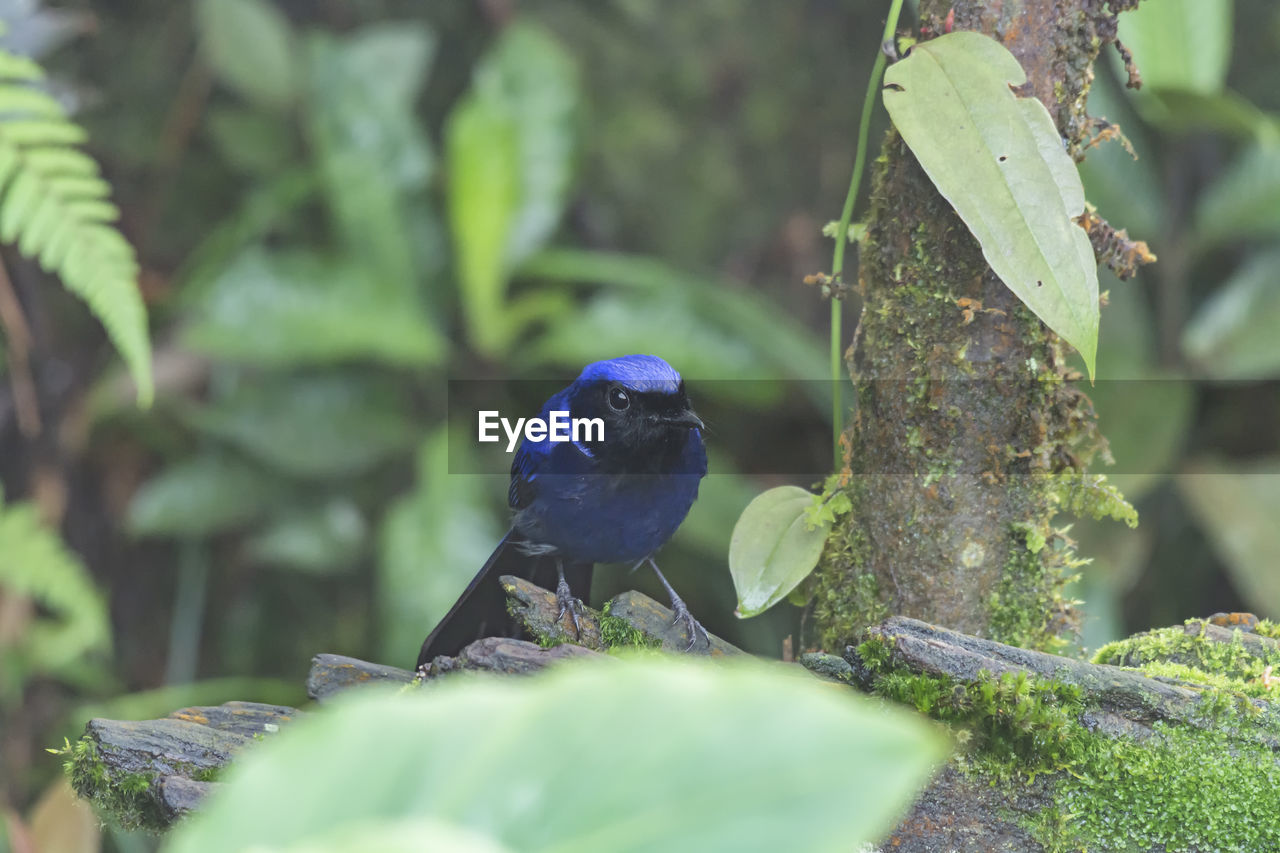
x=432 y=543
x=610 y=755
x=783 y=346
x=1236 y=506
x=201 y=496
x=510 y=147
x=1176 y=110
x=1244 y=202
x=320 y=539
x=411 y=835
x=391 y=59
x=1180 y=44
x=298 y=308
x=315 y=427
x=773 y=548
x=999 y=161
x=251 y=141
x=53 y=204
x=71 y=621
x=250 y=47
x=372 y=150
x=1233 y=334
x=480 y=147
x=537 y=83
x=670 y=327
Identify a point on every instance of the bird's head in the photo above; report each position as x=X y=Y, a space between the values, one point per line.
x=642 y=401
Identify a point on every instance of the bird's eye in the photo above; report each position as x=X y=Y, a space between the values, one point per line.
x=618 y=399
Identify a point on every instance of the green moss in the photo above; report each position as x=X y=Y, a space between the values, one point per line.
x=618 y=633
x=125 y=797
x=1191 y=656
x=1183 y=788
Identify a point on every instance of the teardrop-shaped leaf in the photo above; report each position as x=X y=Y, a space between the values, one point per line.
x=999 y=161
x=773 y=548
x=624 y=756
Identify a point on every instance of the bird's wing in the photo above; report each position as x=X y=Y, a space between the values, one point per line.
x=528 y=461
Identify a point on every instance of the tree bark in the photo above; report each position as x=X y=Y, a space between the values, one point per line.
x=963 y=408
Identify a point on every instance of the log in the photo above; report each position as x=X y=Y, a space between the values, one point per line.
x=629 y=619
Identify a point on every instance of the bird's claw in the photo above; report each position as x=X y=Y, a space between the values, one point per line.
x=692 y=625
x=568 y=604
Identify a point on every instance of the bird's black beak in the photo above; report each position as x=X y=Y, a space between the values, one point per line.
x=685 y=419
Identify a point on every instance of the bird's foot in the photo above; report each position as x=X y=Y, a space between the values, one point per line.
x=692 y=625
x=568 y=604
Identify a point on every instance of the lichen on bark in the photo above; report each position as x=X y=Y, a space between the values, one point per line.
x=967 y=419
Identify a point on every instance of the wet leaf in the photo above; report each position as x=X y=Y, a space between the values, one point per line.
x=773 y=548
x=999 y=161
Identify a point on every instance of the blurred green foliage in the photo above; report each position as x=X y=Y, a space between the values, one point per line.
x=339 y=205
x=523 y=767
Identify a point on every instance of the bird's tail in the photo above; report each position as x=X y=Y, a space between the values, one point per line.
x=481 y=610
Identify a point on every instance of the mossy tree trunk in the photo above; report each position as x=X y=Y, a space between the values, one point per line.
x=962 y=407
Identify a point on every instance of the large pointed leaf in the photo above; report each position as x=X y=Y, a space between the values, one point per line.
x=773 y=548
x=641 y=755
x=999 y=161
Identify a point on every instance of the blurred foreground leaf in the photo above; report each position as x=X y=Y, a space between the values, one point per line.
x=1001 y=164
x=773 y=548
x=1236 y=505
x=626 y=756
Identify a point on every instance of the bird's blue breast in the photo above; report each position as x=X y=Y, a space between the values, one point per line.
x=586 y=516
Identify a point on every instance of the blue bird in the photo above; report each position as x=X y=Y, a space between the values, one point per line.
x=577 y=503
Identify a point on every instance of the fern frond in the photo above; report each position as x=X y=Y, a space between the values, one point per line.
x=73 y=620
x=54 y=205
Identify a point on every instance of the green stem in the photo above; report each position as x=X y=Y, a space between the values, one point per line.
x=842 y=232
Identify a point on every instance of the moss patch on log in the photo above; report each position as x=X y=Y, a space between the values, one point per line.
x=1211 y=782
